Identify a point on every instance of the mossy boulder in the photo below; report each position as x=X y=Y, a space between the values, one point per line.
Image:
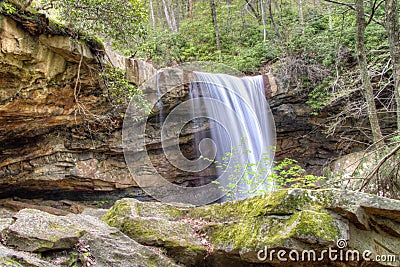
x=35 y=230
x=157 y=224
x=37 y=238
x=233 y=233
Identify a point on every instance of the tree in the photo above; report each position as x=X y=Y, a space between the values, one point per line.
x=392 y=29
x=262 y=4
x=365 y=78
x=152 y=18
x=271 y=17
x=216 y=29
x=167 y=18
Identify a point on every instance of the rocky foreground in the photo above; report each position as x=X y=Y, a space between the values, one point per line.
x=251 y=232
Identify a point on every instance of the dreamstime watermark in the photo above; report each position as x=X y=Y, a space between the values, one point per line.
x=339 y=253
x=164 y=87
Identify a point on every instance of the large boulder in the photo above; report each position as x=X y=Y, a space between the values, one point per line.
x=80 y=239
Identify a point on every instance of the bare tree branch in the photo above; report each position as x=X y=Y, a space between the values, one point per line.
x=378 y=166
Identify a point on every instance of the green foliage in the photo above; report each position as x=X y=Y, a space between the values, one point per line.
x=8 y=8
x=121 y=23
x=288 y=174
x=259 y=176
x=121 y=91
x=242 y=177
x=318 y=97
x=241 y=45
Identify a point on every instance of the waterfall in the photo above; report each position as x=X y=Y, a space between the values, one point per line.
x=241 y=130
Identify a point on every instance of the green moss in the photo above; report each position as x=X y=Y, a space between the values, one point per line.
x=126 y=207
x=311 y=223
x=269 y=220
x=231 y=211
x=152 y=231
x=156 y=224
x=282 y=202
x=114 y=217
x=274 y=231
x=58 y=28
x=165 y=211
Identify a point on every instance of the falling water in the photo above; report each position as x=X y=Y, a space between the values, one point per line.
x=242 y=130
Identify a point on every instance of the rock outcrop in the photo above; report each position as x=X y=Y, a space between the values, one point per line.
x=241 y=233
x=284 y=228
x=58 y=131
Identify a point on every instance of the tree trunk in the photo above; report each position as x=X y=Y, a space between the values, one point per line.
x=263 y=20
x=392 y=29
x=172 y=16
x=152 y=20
x=167 y=16
x=301 y=16
x=254 y=11
x=330 y=17
x=191 y=14
x=271 y=17
x=366 y=83
x=229 y=18
x=214 y=17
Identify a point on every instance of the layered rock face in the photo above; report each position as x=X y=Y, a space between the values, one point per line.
x=58 y=132
x=60 y=136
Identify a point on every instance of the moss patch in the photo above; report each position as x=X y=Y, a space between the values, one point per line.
x=283 y=202
x=130 y=207
x=273 y=231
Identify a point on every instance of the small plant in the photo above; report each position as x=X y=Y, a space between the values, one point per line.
x=248 y=178
x=241 y=174
x=8 y=8
x=288 y=174
x=121 y=91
